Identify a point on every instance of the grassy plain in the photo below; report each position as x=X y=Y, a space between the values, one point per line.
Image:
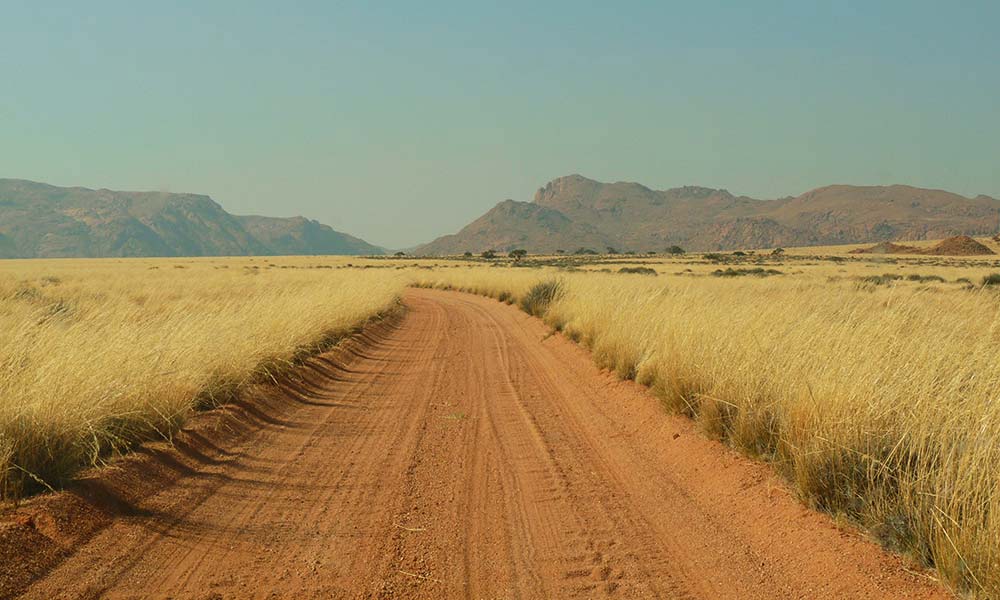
x=870 y=382
x=97 y=354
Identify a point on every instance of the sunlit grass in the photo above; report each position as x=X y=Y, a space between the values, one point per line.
x=881 y=403
x=95 y=355
x=873 y=385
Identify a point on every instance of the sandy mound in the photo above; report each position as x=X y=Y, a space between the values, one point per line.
x=960 y=245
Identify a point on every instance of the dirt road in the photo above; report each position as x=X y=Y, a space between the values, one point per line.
x=470 y=454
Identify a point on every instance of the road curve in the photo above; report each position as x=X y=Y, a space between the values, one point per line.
x=471 y=454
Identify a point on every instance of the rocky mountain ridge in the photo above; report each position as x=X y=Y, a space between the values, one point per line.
x=573 y=212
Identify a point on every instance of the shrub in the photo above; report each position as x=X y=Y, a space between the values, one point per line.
x=756 y=272
x=489 y=254
x=540 y=296
x=675 y=250
x=924 y=278
x=638 y=270
x=991 y=279
x=883 y=279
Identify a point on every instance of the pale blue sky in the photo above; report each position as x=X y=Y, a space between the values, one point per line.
x=403 y=121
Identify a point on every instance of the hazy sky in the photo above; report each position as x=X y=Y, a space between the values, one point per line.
x=400 y=121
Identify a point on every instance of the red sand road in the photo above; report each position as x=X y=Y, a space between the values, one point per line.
x=470 y=454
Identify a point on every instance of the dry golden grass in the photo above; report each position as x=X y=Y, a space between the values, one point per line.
x=95 y=355
x=880 y=402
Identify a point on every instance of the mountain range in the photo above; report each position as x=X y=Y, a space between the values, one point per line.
x=568 y=213
x=45 y=221
x=576 y=212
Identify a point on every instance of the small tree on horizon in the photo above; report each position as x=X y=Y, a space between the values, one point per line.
x=675 y=250
x=489 y=254
x=517 y=254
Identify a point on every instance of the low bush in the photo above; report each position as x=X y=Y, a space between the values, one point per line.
x=638 y=270
x=540 y=296
x=883 y=279
x=924 y=278
x=756 y=272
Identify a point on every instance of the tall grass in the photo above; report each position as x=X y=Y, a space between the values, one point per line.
x=95 y=356
x=878 y=403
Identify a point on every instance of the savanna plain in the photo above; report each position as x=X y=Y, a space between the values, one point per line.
x=869 y=383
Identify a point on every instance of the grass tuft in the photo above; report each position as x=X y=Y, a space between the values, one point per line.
x=540 y=296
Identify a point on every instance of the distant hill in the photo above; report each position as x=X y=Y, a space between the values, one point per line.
x=511 y=224
x=45 y=221
x=299 y=235
x=573 y=211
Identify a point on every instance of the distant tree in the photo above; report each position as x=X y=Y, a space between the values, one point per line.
x=630 y=252
x=739 y=253
x=560 y=251
x=651 y=252
x=489 y=254
x=517 y=254
x=400 y=254
x=467 y=254
x=584 y=251
x=777 y=252
x=612 y=250
x=675 y=250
